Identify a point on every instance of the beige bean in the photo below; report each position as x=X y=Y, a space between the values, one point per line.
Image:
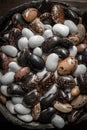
x=75 y=91
x=65 y=108
x=36 y=111
x=79 y=102
x=30 y=14
x=67 y=66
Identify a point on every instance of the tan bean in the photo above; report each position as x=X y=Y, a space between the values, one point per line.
x=65 y=108
x=75 y=91
x=30 y=14
x=36 y=111
x=67 y=66
x=79 y=102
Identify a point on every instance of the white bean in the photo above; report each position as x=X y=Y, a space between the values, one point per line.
x=60 y=29
x=9 y=50
x=27 y=33
x=7 y=78
x=25 y=118
x=22 y=43
x=36 y=41
x=10 y=107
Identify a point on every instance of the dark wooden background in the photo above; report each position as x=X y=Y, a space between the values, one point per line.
x=5 y=5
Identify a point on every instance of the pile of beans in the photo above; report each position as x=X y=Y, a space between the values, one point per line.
x=43 y=65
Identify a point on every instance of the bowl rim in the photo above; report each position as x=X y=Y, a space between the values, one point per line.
x=3 y=109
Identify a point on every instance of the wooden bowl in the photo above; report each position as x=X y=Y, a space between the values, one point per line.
x=3 y=20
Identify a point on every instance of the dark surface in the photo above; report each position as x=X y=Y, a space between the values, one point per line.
x=5 y=5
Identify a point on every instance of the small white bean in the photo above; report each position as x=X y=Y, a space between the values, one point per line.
x=52 y=62
x=58 y=121
x=10 y=107
x=37 y=51
x=81 y=69
x=73 y=51
x=72 y=27
x=60 y=29
x=7 y=78
x=47 y=33
x=9 y=50
x=17 y=100
x=25 y=118
x=27 y=33
x=21 y=109
x=13 y=66
x=36 y=41
x=22 y=43
x=3 y=90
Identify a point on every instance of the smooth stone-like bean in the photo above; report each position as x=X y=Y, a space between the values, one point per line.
x=3 y=90
x=18 y=21
x=31 y=98
x=21 y=109
x=30 y=14
x=81 y=69
x=10 y=107
x=65 y=42
x=72 y=27
x=37 y=51
x=26 y=118
x=13 y=66
x=52 y=62
x=75 y=91
x=67 y=65
x=15 y=90
x=36 y=63
x=36 y=41
x=50 y=43
x=9 y=50
x=17 y=100
x=65 y=108
x=79 y=101
x=22 y=43
x=73 y=51
x=58 y=121
x=22 y=58
x=27 y=33
x=47 y=33
x=46 y=115
x=7 y=78
x=61 y=52
x=60 y=29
